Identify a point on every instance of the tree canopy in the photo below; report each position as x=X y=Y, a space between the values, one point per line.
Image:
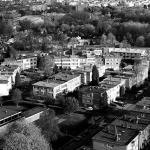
x=95 y=75
x=49 y=128
x=23 y=136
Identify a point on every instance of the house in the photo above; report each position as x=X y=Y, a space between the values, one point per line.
x=115 y=137
x=59 y=83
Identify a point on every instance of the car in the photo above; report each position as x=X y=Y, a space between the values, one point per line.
x=89 y=108
x=78 y=138
x=120 y=103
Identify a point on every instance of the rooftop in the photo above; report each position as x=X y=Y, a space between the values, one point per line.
x=109 y=133
x=93 y=89
x=5 y=112
x=63 y=76
x=47 y=83
x=132 y=122
x=33 y=111
x=8 y=68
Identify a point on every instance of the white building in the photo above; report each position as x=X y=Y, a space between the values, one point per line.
x=10 y=70
x=129 y=53
x=73 y=62
x=57 y=84
x=112 y=61
x=112 y=87
x=5 y=85
x=27 y=62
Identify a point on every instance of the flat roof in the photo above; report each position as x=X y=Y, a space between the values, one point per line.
x=47 y=83
x=108 y=135
x=133 y=122
x=138 y=108
x=93 y=89
x=34 y=111
x=8 y=68
x=64 y=76
x=144 y=102
x=5 y=112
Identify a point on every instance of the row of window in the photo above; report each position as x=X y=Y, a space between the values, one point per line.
x=9 y=119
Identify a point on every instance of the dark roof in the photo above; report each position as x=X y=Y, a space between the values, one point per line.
x=34 y=111
x=5 y=112
x=108 y=135
x=92 y=89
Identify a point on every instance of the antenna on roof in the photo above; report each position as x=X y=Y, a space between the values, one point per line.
x=116 y=134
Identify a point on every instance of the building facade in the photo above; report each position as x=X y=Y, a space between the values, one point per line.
x=59 y=83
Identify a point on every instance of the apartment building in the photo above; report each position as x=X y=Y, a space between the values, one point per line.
x=10 y=70
x=136 y=123
x=112 y=87
x=112 y=61
x=73 y=62
x=114 y=137
x=61 y=82
x=128 y=53
x=93 y=96
x=5 y=85
x=27 y=62
x=141 y=108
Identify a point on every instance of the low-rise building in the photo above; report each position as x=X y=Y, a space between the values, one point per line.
x=136 y=123
x=5 y=85
x=86 y=72
x=114 y=137
x=27 y=62
x=93 y=96
x=10 y=70
x=112 y=61
x=112 y=87
x=129 y=53
x=61 y=82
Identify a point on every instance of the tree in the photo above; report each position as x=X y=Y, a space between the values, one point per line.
x=147 y=40
x=46 y=64
x=12 y=52
x=25 y=24
x=140 y=41
x=122 y=90
x=103 y=39
x=111 y=38
x=104 y=100
x=95 y=75
x=50 y=128
x=71 y=104
x=24 y=136
x=55 y=69
x=16 y=141
x=16 y=96
x=17 y=80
